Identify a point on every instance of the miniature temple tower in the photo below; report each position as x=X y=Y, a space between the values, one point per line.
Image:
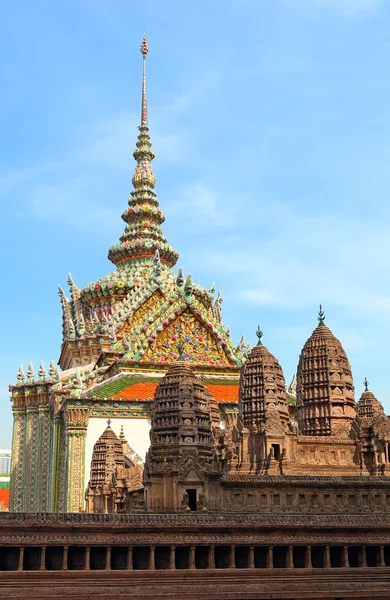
x=374 y=433
x=325 y=393
x=107 y=460
x=263 y=412
x=181 y=469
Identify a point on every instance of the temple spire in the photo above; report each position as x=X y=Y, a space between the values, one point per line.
x=143 y=234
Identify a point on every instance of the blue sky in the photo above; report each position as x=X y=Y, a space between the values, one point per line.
x=271 y=125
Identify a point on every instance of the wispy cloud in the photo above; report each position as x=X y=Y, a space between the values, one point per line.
x=347 y=7
x=202 y=203
x=297 y=261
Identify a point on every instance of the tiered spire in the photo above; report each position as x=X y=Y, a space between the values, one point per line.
x=325 y=393
x=143 y=234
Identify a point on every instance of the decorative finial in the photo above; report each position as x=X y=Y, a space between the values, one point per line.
x=144 y=103
x=41 y=370
x=122 y=434
x=241 y=344
x=30 y=372
x=144 y=45
x=53 y=371
x=20 y=375
x=188 y=285
x=365 y=382
x=321 y=316
x=109 y=422
x=180 y=349
x=259 y=334
x=180 y=278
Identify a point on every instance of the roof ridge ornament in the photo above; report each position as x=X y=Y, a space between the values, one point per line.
x=321 y=316
x=365 y=383
x=259 y=334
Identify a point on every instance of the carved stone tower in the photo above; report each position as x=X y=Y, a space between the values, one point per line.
x=107 y=459
x=263 y=411
x=325 y=393
x=368 y=406
x=181 y=470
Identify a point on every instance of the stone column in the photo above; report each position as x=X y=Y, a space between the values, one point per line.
x=17 y=500
x=76 y=424
x=308 y=564
x=151 y=558
x=192 y=558
x=345 y=557
x=172 y=554
x=290 y=557
x=45 y=459
x=42 y=566
x=232 y=557
x=21 y=558
x=212 y=557
x=270 y=557
x=130 y=559
x=87 y=558
x=327 y=563
x=251 y=557
x=108 y=559
x=32 y=459
x=362 y=557
x=65 y=559
x=382 y=562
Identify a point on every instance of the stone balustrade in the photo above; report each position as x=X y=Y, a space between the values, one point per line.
x=81 y=558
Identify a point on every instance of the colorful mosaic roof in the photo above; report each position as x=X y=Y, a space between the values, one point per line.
x=143 y=388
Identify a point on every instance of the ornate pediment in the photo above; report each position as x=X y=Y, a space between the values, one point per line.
x=187 y=337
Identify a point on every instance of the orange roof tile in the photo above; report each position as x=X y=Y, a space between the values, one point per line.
x=225 y=393
x=4 y=497
x=138 y=391
x=145 y=390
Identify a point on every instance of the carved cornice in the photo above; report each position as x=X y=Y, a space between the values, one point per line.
x=207 y=521
x=76 y=418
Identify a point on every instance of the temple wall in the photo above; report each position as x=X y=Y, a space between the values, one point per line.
x=201 y=556
x=346 y=495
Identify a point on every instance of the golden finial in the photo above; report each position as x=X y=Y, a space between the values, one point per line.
x=144 y=45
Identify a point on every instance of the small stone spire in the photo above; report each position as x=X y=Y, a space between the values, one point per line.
x=321 y=316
